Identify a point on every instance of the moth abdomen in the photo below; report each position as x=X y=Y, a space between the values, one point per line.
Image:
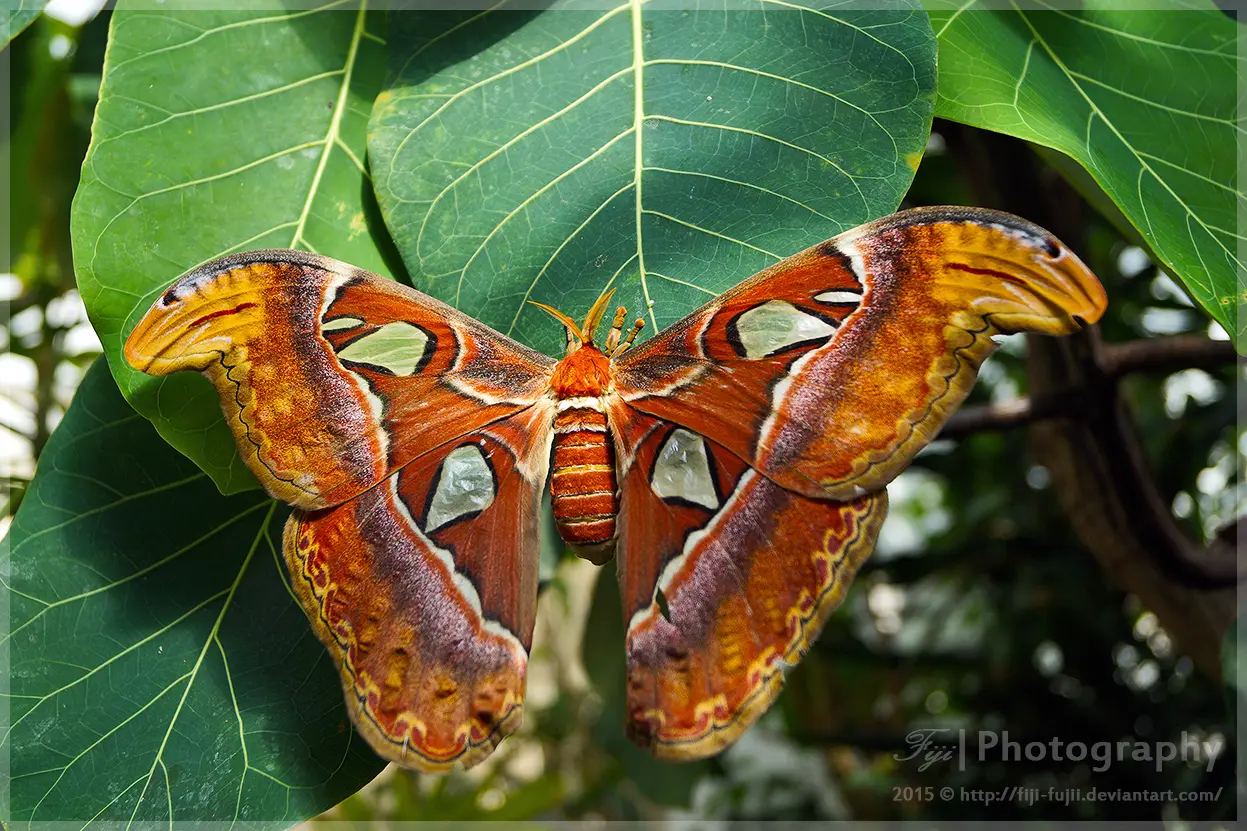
x=582 y=483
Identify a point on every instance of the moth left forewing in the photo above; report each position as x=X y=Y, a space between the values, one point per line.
x=829 y=370
x=331 y=377
x=726 y=579
x=424 y=591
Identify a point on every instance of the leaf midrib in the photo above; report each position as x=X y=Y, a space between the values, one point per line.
x=335 y=123
x=636 y=71
x=638 y=121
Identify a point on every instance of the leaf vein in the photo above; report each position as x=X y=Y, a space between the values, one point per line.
x=852 y=179
x=557 y=251
x=684 y=283
x=172 y=116
x=536 y=59
x=241 y=24
x=708 y=232
x=135 y=575
x=194 y=673
x=335 y=124
x=528 y=201
x=504 y=147
x=1145 y=167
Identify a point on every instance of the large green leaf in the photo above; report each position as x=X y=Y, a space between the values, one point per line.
x=668 y=151
x=160 y=668
x=1145 y=100
x=220 y=131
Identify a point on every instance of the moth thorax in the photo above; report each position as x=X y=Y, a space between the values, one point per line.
x=583 y=487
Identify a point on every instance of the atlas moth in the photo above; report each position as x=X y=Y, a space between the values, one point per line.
x=734 y=464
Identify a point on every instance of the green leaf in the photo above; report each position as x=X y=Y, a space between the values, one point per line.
x=667 y=152
x=1089 y=189
x=160 y=668
x=16 y=15
x=220 y=131
x=1145 y=100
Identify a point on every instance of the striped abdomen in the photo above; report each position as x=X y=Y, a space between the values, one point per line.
x=582 y=484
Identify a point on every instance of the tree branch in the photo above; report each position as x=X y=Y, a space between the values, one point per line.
x=1007 y=415
x=1165 y=354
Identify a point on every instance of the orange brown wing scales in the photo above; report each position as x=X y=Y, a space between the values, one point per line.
x=330 y=376
x=424 y=591
x=726 y=579
x=829 y=370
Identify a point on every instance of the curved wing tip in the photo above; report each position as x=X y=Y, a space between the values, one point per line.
x=1084 y=320
x=1099 y=298
x=135 y=360
x=1085 y=296
x=133 y=349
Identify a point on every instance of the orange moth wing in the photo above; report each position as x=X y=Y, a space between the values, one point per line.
x=332 y=377
x=414 y=443
x=756 y=435
x=829 y=370
x=424 y=590
x=727 y=578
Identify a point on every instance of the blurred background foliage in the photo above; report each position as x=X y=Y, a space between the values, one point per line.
x=980 y=608
x=54 y=78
